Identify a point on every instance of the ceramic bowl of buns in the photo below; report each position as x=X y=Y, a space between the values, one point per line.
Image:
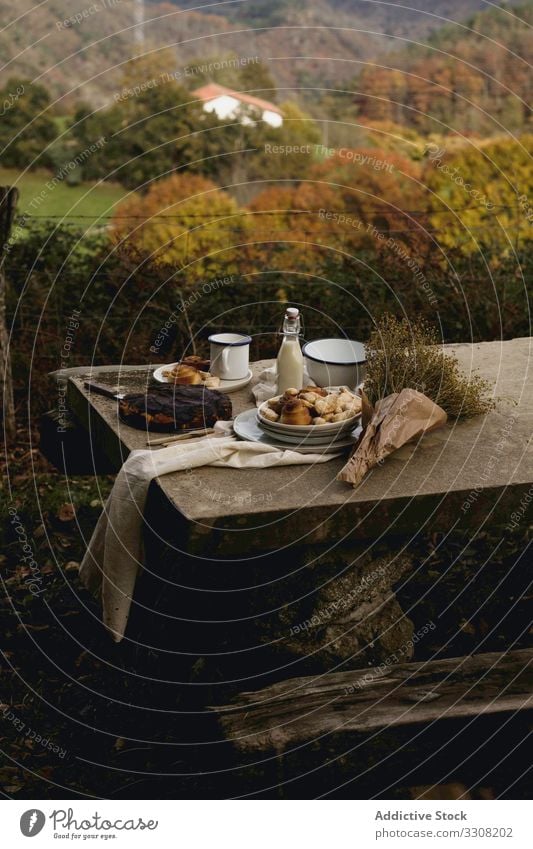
x=313 y=414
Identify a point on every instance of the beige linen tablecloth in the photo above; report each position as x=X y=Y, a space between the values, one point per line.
x=114 y=556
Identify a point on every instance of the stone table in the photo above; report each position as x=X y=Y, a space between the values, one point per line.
x=286 y=558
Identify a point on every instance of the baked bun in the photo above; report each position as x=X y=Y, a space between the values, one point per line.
x=295 y=413
x=317 y=390
x=199 y=363
x=183 y=375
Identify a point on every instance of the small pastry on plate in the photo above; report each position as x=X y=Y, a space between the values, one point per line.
x=311 y=397
x=275 y=404
x=318 y=390
x=289 y=395
x=341 y=417
x=295 y=413
x=269 y=414
x=326 y=405
x=199 y=363
x=183 y=375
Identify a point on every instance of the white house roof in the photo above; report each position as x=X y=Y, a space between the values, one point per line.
x=212 y=91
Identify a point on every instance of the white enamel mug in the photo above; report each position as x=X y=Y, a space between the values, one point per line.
x=230 y=355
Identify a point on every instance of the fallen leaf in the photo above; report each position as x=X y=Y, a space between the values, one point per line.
x=454 y=790
x=66 y=512
x=483 y=626
x=46 y=772
x=486 y=793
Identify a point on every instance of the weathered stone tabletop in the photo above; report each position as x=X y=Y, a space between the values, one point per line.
x=466 y=473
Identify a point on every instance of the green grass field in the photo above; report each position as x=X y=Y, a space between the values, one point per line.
x=87 y=199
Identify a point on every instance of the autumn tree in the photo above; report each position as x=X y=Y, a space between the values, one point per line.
x=185 y=221
x=474 y=80
x=488 y=185
x=287 y=226
x=256 y=77
x=376 y=187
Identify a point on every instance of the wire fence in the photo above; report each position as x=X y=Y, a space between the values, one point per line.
x=248 y=228
x=382 y=210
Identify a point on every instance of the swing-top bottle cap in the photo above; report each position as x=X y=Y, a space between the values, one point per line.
x=292 y=312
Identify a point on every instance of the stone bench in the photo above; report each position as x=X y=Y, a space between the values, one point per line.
x=403 y=723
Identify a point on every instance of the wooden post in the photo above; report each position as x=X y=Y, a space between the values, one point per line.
x=8 y=205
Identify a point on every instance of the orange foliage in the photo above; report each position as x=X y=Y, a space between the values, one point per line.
x=185 y=221
x=352 y=201
x=375 y=187
x=289 y=219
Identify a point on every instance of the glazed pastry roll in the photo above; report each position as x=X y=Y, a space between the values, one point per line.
x=184 y=375
x=295 y=413
x=317 y=390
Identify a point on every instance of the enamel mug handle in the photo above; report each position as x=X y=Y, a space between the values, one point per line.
x=224 y=359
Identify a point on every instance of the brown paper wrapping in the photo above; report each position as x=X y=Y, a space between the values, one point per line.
x=395 y=420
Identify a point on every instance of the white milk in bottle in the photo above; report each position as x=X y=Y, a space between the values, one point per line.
x=290 y=364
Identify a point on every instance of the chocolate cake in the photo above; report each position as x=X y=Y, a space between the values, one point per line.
x=175 y=409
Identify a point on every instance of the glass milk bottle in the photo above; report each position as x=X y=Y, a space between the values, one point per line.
x=290 y=365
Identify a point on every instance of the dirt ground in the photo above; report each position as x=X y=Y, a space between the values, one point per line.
x=79 y=717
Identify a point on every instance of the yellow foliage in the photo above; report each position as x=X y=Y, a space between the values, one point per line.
x=185 y=221
x=488 y=185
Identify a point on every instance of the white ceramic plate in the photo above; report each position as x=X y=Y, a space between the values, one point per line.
x=315 y=433
x=225 y=386
x=309 y=439
x=247 y=427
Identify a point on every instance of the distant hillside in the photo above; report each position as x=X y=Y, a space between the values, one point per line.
x=82 y=60
x=392 y=17
x=463 y=80
x=306 y=44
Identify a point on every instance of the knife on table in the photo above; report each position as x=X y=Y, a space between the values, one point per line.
x=101 y=389
x=108 y=392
